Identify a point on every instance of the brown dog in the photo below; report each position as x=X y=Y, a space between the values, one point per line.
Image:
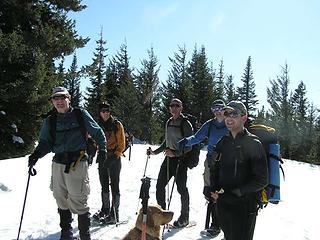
x=155 y=217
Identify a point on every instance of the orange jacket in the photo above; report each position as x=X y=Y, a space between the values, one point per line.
x=115 y=136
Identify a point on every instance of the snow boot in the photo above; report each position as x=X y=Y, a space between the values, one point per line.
x=182 y=221
x=65 y=224
x=213 y=232
x=113 y=217
x=84 y=226
x=105 y=209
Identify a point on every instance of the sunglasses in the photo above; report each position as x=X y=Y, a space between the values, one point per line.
x=231 y=114
x=174 y=105
x=217 y=109
x=59 y=97
x=104 y=110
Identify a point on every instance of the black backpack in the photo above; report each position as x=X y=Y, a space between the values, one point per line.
x=191 y=158
x=91 y=144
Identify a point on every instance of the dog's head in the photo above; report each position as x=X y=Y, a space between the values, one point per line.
x=156 y=216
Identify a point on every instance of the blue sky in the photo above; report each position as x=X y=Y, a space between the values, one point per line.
x=271 y=32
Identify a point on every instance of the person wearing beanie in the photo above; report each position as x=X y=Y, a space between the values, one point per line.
x=212 y=130
x=70 y=179
x=110 y=169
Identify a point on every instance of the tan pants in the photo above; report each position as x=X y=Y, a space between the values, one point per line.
x=71 y=190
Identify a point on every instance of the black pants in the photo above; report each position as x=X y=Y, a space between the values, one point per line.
x=180 y=170
x=237 y=217
x=114 y=171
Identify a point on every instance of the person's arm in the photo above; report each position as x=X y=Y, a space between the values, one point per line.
x=45 y=140
x=94 y=130
x=199 y=136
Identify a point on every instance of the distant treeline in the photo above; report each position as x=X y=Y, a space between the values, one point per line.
x=33 y=39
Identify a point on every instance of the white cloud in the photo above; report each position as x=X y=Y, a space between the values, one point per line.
x=217 y=21
x=156 y=14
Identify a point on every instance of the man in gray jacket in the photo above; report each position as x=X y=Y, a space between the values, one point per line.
x=70 y=180
x=173 y=164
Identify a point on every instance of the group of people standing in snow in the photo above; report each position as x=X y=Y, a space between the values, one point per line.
x=235 y=166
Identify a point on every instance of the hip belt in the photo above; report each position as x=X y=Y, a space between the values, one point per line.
x=70 y=159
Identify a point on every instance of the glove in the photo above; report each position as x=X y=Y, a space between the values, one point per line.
x=182 y=143
x=102 y=157
x=33 y=158
x=149 y=151
x=207 y=192
x=236 y=192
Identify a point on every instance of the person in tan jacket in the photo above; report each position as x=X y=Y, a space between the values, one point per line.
x=109 y=171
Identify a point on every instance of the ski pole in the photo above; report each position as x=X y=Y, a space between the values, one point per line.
x=144 y=173
x=145 y=167
x=31 y=172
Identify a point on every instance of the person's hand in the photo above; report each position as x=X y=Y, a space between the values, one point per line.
x=168 y=153
x=33 y=158
x=102 y=157
x=150 y=152
x=182 y=143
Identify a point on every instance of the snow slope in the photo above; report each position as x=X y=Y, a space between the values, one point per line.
x=295 y=218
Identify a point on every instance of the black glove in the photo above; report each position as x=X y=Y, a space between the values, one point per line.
x=207 y=192
x=102 y=157
x=33 y=158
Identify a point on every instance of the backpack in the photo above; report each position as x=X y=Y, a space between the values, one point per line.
x=269 y=140
x=128 y=135
x=91 y=144
x=191 y=158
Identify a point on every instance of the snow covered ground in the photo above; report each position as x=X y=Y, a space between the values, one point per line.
x=295 y=218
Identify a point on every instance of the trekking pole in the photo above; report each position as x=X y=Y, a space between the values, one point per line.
x=174 y=181
x=208 y=215
x=144 y=173
x=31 y=172
x=144 y=195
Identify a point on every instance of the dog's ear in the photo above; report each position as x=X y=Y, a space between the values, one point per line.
x=150 y=220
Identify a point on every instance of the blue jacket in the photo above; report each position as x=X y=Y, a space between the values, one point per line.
x=68 y=134
x=217 y=131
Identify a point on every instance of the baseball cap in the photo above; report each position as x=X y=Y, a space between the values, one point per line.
x=237 y=105
x=58 y=91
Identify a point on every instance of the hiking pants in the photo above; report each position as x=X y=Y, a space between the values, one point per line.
x=71 y=190
x=114 y=177
x=181 y=181
x=237 y=217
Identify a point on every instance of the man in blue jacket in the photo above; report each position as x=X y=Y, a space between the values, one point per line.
x=70 y=180
x=212 y=130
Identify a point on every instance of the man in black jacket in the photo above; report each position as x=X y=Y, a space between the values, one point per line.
x=241 y=172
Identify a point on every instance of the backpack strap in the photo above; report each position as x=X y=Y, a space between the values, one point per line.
x=79 y=116
x=53 y=124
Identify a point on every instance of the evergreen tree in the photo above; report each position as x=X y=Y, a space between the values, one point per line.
x=33 y=35
x=147 y=82
x=96 y=72
x=246 y=92
x=202 y=85
x=72 y=83
x=230 y=89
x=111 y=85
x=281 y=109
x=300 y=136
x=313 y=136
x=126 y=105
x=178 y=84
x=218 y=87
